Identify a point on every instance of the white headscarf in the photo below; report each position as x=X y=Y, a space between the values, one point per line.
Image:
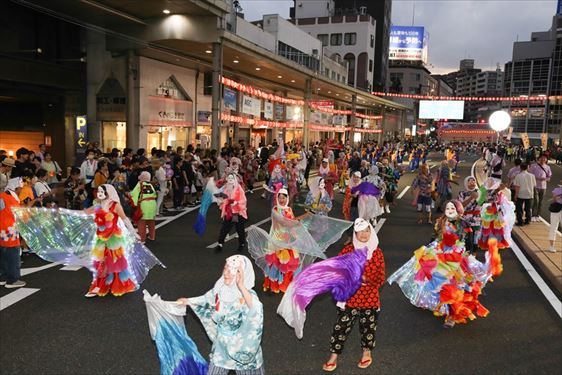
x=466 y=181
x=112 y=196
x=372 y=244
x=314 y=189
x=230 y=293
x=13 y=184
x=284 y=192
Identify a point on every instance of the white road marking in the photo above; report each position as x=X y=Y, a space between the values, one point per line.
x=403 y=192
x=541 y=284
x=379 y=225
x=16 y=296
x=70 y=268
x=539 y=281
x=229 y=237
x=30 y=270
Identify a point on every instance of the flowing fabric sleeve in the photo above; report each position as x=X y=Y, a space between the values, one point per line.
x=207 y=200
x=139 y=258
x=135 y=193
x=177 y=352
x=325 y=230
x=340 y=275
x=58 y=235
x=245 y=344
x=203 y=307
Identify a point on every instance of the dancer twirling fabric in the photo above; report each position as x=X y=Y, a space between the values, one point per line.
x=497 y=214
x=292 y=243
x=443 y=277
x=232 y=316
x=353 y=278
x=101 y=238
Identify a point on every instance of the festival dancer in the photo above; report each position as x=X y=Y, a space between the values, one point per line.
x=342 y=171
x=469 y=200
x=444 y=278
x=292 y=243
x=353 y=278
x=328 y=174
x=232 y=202
x=350 y=209
x=250 y=166
x=277 y=178
x=232 y=316
x=421 y=189
x=119 y=262
x=292 y=178
x=318 y=200
x=497 y=214
x=389 y=177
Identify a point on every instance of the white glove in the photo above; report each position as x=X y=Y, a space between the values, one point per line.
x=341 y=305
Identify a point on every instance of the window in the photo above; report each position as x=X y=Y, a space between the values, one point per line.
x=324 y=39
x=333 y=75
x=335 y=39
x=350 y=59
x=350 y=39
x=370 y=65
x=338 y=77
x=326 y=72
x=372 y=41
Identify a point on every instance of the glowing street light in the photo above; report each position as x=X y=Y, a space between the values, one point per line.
x=500 y=120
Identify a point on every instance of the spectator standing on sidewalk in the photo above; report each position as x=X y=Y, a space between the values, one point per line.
x=525 y=184
x=541 y=171
x=6 y=171
x=53 y=169
x=555 y=209
x=514 y=171
x=9 y=236
x=87 y=172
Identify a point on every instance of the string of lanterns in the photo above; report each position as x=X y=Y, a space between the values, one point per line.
x=469 y=98
x=259 y=123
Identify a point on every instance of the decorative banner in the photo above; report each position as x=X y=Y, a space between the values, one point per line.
x=339 y=120
x=164 y=111
x=327 y=128
x=471 y=98
x=525 y=139
x=294 y=113
x=259 y=123
x=268 y=110
x=259 y=93
x=251 y=106
x=544 y=140
x=230 y=97
x=279 y=111
x=204 y=117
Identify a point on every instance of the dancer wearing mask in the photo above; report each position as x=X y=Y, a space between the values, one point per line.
x=353 y=278
x=232 y=202
x=318 y=200
x=232 y=316
x=469 y=200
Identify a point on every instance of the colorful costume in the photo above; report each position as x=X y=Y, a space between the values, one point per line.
x=497 y=215
x=103 y=242
x=234 y=327
x=318 y=200
x=446 y=279
x=353 y=279
x=291 y=244
x=232 y=202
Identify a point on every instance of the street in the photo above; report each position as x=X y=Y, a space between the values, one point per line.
x=56 y=330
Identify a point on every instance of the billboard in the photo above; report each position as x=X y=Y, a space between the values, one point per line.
x=441 y=109
x=406 y=43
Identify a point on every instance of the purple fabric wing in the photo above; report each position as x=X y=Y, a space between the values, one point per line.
x=340 y=275
x=366 y=188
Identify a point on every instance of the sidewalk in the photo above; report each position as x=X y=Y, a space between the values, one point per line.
x=533 y=240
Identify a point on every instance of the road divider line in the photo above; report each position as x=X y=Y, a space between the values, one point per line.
x=229 y=237
x=70 y=268
x=16 y=296
x=541 y=284
x=379 y=225
x=30 y=270
x=404 y=192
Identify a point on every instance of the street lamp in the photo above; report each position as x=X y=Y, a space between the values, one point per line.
x=499 y=121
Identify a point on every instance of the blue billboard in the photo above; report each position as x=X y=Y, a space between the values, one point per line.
x=406 y=42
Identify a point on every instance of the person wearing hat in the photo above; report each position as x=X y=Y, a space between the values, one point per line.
x=144 y=197
x=9 y=236
x=5 y=171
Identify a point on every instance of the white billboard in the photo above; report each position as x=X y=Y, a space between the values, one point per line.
x=441 y=109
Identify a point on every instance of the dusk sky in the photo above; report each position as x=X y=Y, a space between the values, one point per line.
x=480 y=29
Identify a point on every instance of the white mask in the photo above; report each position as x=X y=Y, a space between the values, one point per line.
x=451 y=211
x=231 y=180
x=321 y=184
x=101 y=195
x=277 y=169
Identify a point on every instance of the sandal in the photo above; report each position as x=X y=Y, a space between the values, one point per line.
x=365 y=363
x=329 y=367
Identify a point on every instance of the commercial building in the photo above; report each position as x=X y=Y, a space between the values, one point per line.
x=536 y=70
x=483 y=83
x=466 y=69
x=141 y=75
x=350 y=36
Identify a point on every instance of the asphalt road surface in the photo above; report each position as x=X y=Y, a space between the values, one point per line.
x=55 y=330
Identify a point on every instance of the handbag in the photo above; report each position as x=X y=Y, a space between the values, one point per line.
x=137 y=213
x=555 y=207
